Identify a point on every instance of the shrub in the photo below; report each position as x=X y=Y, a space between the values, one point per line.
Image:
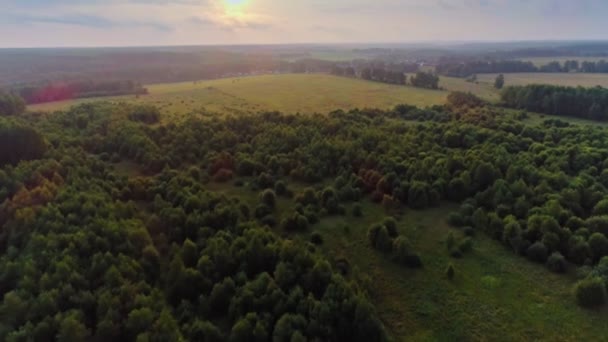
x=455 y=253
x=262 y=210
x=450 y=241
x=296 y=222
x=456 y=219
x=269 y=198
x=391 y=226
x=598 y=243
x=465 y=245
x=556 y=263
x=401 y=249
x=590 y=292
x=316 y=238
x=280 y=188
x=383 y=242
x=223 y=175
x=537 y=252
x=450 y=271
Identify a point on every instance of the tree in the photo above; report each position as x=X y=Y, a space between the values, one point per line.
x=20 y=143
x=269 y=198
x=425 y=80
x=556 y=263
x=72 y=330
x=11 y=104
x=499 y=83
x=598 y=243
x=538 y=252
x=590 y=292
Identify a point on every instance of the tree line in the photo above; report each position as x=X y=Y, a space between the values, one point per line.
x=81 y=89
x=587 y=103
x=468 y=68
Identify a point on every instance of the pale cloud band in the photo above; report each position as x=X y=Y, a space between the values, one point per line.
x=176 y=22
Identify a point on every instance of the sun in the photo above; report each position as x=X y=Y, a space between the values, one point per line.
x=235 y=8
x=235 y=2
x=235 y=5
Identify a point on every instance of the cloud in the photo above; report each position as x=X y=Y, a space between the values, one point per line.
x=83 y=20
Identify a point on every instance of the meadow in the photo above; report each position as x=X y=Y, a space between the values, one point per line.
x=290 y=93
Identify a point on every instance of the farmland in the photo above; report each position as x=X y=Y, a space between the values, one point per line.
x=287 y=93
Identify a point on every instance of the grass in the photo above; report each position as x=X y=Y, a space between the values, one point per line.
x=495 y=295
x=563 y=79
x=290 y=93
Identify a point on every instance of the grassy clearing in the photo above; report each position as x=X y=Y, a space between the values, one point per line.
x=495 y=295
x=290 y=93
x=484 y=90
x=540 y=61
x=563 y=79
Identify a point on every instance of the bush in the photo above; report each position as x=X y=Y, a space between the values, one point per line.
x=379 y=238
x=401 y=249
x=262 y=210
x=391 y=226
x=223 y=175
x=598 y=243
x=455 y=253
x=556 y=263
x=450 y=241
x=450 y=271
x=590 y=292
x=468 y=231
x=537 y=252
x=465 y=245
x=296 y=222
x=316 y=238
x=269 y=198
x=455 y=219
x=280 y=188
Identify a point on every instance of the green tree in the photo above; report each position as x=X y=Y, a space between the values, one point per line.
x=590 y=292
x=499 y=82
x=72 y=330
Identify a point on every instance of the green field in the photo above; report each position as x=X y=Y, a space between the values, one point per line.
x=540 y=61
x=563 y=79
x=305 y=93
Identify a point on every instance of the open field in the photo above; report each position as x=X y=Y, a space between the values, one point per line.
x=305 y=93
x=494 y=293
x=540 y=61
x=563 y=79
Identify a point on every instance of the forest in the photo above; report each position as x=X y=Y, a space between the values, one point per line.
x=90 y=252
x=73 y=90
x=587 y=103
x=471 y=67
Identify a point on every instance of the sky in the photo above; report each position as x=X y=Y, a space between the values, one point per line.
x=57 y=23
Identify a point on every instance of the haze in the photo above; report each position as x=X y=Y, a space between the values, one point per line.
x=49 y=23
